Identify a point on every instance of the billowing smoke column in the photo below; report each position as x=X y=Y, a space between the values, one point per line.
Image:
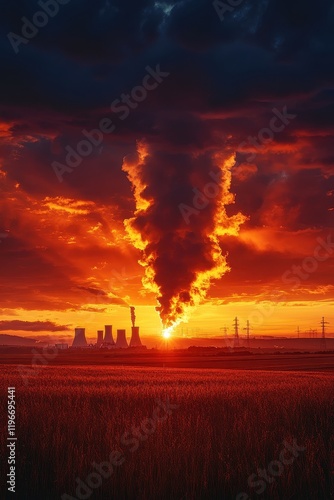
x=133 y=315
x=179 y=220
x=79 y=338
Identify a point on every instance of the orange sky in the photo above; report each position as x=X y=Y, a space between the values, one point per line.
x=67 y=259
x=74 y=265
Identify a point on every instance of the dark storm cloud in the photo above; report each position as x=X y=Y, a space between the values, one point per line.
x=103 y=296
x=91 y=52
x=225 y=79
x=107 y=30
x=260 y=56
x=32 y=326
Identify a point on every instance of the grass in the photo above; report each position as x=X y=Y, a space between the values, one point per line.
x=227 y=425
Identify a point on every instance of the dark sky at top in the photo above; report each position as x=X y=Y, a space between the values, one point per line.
x=225 y=78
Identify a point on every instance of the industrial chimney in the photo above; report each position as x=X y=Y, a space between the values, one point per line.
x=99 y=337
x=79 y=338
x=135 y=339
x=121 y=342
x=108 y=338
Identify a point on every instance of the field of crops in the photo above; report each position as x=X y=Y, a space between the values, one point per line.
x=170 y=434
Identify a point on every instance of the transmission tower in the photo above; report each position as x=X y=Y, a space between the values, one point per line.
x=225 y=330
x=247 y=332
x=323 y=327
x=236 y=331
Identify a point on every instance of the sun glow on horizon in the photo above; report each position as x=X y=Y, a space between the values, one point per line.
x=167 y=332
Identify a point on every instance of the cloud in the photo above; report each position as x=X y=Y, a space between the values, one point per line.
x=225 y=79
x=32 y=326
x=93 y=291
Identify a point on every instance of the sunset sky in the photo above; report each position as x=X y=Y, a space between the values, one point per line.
x=253 y=92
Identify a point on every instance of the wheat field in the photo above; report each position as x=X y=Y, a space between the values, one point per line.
x=222 y=426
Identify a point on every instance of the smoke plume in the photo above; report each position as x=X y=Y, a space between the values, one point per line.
x=176 y=228
x=133 y=315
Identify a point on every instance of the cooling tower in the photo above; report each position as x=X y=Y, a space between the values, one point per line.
x=99 y=337
x=108 y=338
x=121 y=339
x=135 y=339
x=79 y=338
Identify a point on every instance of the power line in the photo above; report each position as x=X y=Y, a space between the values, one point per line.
x=323 y=327
x=312 y=333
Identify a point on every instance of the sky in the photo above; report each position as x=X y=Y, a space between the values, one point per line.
x=175 y=154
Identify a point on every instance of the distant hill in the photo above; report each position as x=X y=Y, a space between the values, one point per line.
x=16 y=340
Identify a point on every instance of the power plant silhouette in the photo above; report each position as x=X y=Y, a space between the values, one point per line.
x=135 y=339
x=107 y=340
x=79 y=338
x=121 y=342
x=99 y=337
